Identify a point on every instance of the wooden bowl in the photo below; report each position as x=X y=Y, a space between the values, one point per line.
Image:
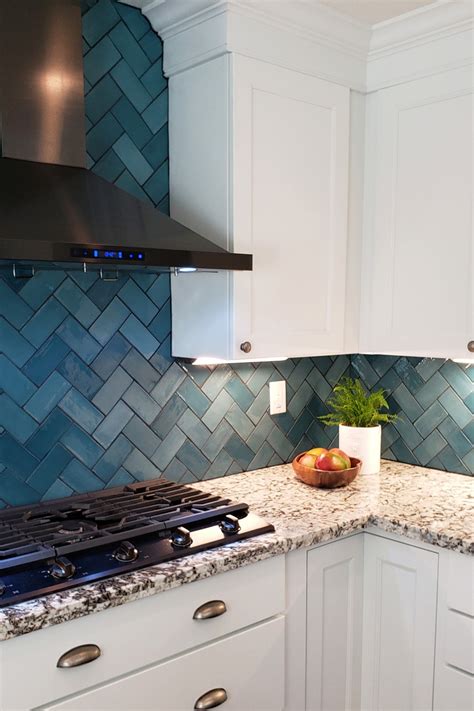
x=324 y=479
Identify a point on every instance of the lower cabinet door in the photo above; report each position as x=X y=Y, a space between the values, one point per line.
x=400 y=593
x=243 y=672
x=334 y=619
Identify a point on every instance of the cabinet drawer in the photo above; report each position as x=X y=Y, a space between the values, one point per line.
x=460 y=583
x=137 y=634
x=248 y=668
x=459 y=650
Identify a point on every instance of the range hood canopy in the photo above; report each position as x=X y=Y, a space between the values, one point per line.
x=51 y=208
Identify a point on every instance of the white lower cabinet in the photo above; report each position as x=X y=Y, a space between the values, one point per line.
x=400 y=592
x=334 y=625
x=242 y=672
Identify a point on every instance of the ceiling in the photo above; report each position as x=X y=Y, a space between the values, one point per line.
x=373 y=11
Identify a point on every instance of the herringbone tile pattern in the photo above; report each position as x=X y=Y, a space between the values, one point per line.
x=435 y=401
x=90 y=397
x=126 y=100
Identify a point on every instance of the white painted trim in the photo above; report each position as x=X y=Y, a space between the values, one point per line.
x=312 y=38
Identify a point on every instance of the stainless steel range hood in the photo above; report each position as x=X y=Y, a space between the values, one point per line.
x=51 y=208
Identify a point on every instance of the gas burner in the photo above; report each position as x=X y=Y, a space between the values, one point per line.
x=77 y=526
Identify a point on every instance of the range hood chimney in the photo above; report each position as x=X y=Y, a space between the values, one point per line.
x=51 y=208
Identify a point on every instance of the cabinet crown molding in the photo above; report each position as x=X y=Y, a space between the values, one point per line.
x=313 y=38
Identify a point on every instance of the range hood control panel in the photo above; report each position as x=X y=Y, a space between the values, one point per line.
x=121 y=254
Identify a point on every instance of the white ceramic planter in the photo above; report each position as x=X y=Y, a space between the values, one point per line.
x=364 y=443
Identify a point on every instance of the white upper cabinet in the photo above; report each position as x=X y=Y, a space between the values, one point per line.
x=264 y=171
x=417 y=288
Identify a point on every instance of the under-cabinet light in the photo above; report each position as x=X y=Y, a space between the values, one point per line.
x=204 y=360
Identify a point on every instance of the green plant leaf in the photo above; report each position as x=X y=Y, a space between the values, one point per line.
x=352 y=406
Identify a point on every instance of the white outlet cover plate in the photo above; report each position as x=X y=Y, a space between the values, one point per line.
x=277 y=397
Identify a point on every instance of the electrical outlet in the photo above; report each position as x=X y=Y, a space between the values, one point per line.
x=277 y=397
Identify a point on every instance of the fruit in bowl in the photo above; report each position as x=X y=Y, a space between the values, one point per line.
x=326 y=468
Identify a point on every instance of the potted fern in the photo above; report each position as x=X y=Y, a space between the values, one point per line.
x=359 y=416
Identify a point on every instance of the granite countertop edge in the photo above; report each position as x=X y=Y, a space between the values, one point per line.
x=23 y=618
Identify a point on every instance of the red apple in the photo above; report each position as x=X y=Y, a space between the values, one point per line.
x=331 y=462
x=316 y=451
x=308 y=460
x=344 y=456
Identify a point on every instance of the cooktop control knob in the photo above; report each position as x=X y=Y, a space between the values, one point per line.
x=230 y=524
x=62 y=568
x=181 y=538
x=126 y=552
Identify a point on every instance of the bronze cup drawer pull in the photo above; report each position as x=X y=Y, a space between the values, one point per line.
x=213 y=608
x=211 y=699
x=77 y=656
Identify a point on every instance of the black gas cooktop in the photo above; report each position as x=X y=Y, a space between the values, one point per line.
x=68 y=542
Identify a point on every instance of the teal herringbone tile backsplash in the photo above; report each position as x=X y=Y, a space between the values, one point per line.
x=89 y=395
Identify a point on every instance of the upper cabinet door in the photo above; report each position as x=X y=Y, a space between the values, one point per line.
x=290 y=186
x=417 y=289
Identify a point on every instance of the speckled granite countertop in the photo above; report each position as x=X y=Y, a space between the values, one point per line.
x=422 y=504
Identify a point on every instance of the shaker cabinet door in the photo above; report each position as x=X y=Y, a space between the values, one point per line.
x=400 y=592
x=418 y=281
x=290 y=182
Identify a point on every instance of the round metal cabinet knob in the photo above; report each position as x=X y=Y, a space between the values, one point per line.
x=246 y=346
x=470 y=346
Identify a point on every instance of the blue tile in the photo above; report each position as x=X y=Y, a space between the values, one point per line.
x=141 y=403
x=130 y=156
x=38 y=289
x=15 y=420
x=12 y=306
x=99 y=20
x=455 y=437
x=50 y=468
x=154 y=80
x=410 y=434
x=193 y=428
x=217 y=410
x=77 y=303
x=456 y=408
x=168 y=384
x=81 y=410
x=262 y=457
x=109 y=166
x=128 y=183
x=161 y=325
x=300 y=399
x=159 y=292
x=13 y=345
x=137 y=334
x=130 y=49
x=45 y=321
x=57 y=490
x=408 y=374
x=157 y=186
x=46 y=359
x=216 y=381
x=16 y=492
x=319 y=384
x=168 y=448
x=140 y=370
x=144 y=279
x=430 y=419
x=407 y=402
x=175 y=471
x=239 y=421
x=138 y=302
x=78 y=339
x=457 y=378
x=14 y=383
x=239 y=392
x=142 y=436
x=239 y=451
x=109 y=321
x=80 y=375
x=112 y=390
x=121 y=478
x=103 y=291
x=431 y=390
x=449 y=461
x=110 y=356
x=80 y=478
x=102 y=98
x=133 y=125
x=217 y=440
x=113 y=424
x=15 y=457
x=131 y=87
x=469 y=402
x=48 y=396
x=140 y=467
x=430 y=447
x=469 y=431
x=103 y=135
x=193 y=459
x=135 y=21
x=49 y=433
x=156 y=150
x=156 y=114
x=100 y=59
x=194 y=397
x=151 y=44
x=113 y=458
x=169 y=416
x=82 y=446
